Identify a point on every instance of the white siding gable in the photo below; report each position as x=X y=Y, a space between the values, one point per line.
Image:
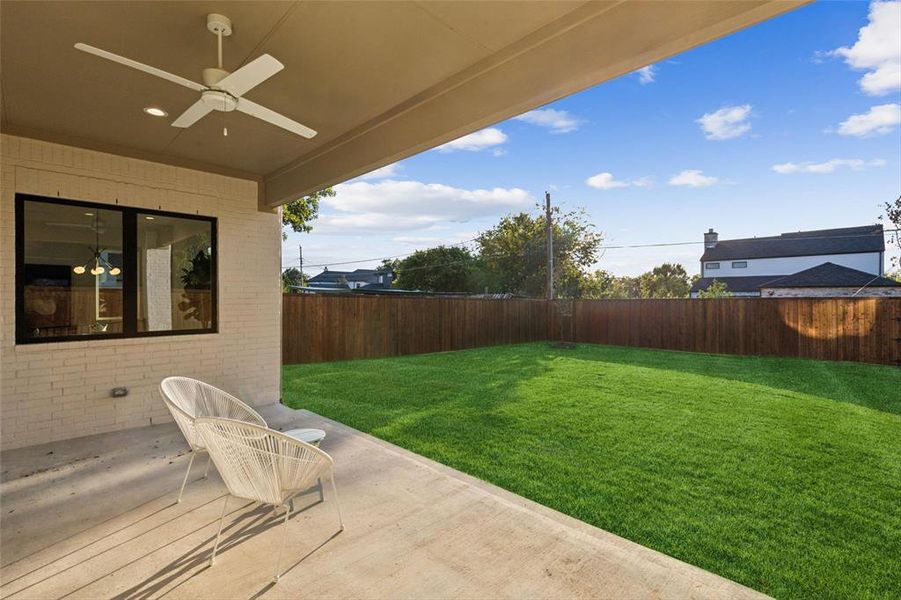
x=869 y=262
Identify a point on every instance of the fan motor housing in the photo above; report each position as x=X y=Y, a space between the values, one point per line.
x=218 y=100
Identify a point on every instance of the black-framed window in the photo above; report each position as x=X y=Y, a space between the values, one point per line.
x=87 y=271
x=713 y=265
x=739 y=264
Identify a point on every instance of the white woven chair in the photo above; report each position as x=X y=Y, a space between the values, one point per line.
x=187 y=399
x=264 y=466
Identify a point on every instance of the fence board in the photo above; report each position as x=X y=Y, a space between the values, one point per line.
x=320 y=328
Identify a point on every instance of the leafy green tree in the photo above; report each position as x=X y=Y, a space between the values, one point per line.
x=299 y=214
x=440 y=269
x=716 y=289
x=597 y=285
x=293 y=277
x=513 y=254
x=196 y=279
x=626 y=287
x=893 y=212
x=664 y=281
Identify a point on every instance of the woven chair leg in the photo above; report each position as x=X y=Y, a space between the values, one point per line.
x=207 y=470
x=337 y=504
x=188 y=472
x=219 y=533
x=321 y=492
x=278 y=561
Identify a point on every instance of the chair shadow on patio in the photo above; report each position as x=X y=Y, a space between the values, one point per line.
x=71 y=555
x=246 y=525
x=251 y=523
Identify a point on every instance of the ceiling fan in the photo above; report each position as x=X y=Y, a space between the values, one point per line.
x=221 y=90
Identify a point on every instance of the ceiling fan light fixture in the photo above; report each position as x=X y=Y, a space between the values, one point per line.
x=221 y=91
x=155 y=111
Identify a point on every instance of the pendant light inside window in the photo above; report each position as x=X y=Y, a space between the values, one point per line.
x=100 y=264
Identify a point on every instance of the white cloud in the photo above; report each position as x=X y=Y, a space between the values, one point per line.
x=391 y=205
x=479 y=140
x=726 y=123
x=381 y=173
x=558 y=121
x=646 y=74
x=877 y=50
x=606 y=181
x=829 y=166
x=416 y=240
x=643 y=182
x=878 y=121
x=692 y=178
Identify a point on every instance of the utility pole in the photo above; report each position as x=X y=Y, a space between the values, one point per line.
x=300 y=251
x=550 y=245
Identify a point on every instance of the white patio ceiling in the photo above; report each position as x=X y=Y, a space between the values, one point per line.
x=380 y=81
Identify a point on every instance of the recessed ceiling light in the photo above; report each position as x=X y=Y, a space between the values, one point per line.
x=89 y=214
x=149 y=218
x=155 y=111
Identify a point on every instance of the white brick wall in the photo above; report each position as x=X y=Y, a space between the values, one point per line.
x=61 y=390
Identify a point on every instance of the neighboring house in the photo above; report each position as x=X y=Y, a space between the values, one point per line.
x=824 y=262
x=358 y=279
x=830 y=279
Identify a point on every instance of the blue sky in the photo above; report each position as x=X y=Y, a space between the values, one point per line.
x=789 y=125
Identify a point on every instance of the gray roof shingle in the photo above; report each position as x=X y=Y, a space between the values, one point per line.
x=831 y=275
x=847 y=240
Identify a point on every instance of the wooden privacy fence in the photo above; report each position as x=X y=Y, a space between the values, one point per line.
x=318 y=328
x=853 y=329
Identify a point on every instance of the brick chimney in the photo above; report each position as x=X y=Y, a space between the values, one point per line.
x=711 y=238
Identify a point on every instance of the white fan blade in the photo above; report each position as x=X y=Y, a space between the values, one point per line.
x=195 y=112
x=140 y=66
x=250 y=75
x=270 y=116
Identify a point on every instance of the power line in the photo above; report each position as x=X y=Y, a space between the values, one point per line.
x=380 y=258
x=604 y=248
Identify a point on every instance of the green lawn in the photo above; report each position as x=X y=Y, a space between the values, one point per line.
x=782 y=474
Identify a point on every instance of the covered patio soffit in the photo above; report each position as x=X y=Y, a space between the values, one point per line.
x=379 y=81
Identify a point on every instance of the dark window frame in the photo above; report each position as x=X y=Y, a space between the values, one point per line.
x=739 y=264
x=130 y=275
x=713 y=266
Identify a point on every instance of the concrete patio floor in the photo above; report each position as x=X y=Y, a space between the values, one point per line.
x=96 y=518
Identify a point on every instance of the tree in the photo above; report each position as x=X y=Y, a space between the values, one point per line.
x=196 y=279
x=513 y=254
x=664 y=281
x=893 y=212
x=299 y=214
x=597 y=285
x=293 y=277
x=440 y=269
x=625 y=287
x=716 y=289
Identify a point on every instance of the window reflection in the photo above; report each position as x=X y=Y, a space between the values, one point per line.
x=175 y=273
x=62 y=246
